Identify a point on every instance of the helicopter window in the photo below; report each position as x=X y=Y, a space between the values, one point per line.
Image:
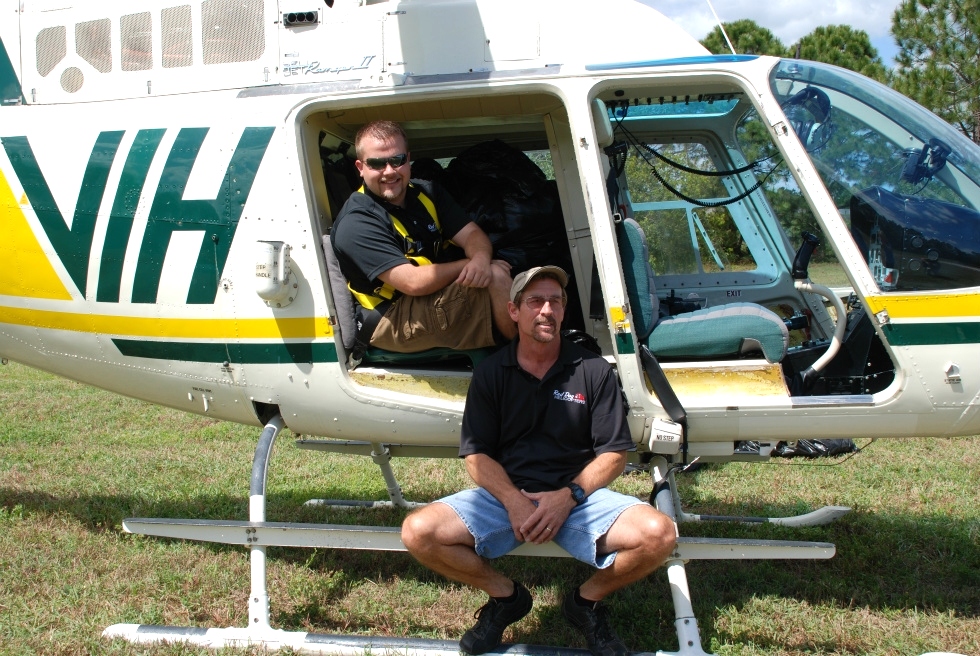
x=93 y=42
x=789 y=206
x=542 y=159
x=692 y=191
x=673 y=106
x=137 y=41
x=907 y=183
x=52 y=46
x=684 y=237
x=234 y=30
x=177 y=43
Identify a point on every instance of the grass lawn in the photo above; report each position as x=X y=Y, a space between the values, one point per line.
x=75 y=461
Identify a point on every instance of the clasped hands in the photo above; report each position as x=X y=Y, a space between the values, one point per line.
x=542 y=514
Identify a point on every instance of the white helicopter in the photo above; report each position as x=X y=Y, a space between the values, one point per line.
x=168 y=173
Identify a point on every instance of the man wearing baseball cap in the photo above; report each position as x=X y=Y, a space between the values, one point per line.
x=544 y=432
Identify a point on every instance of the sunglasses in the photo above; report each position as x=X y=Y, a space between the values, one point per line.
x=536 y=303
x=381 y=163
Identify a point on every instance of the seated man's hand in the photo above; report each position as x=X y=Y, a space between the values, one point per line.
x=519 y=511
x=476 y=273
x=548 y=517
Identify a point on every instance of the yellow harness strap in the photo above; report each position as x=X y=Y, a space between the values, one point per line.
x=386 y=292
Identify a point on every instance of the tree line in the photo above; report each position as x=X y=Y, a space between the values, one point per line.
x=938 y=63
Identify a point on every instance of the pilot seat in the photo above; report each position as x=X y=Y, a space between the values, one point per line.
x=724 y=331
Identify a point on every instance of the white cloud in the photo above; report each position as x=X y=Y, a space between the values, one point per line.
x=787 y=19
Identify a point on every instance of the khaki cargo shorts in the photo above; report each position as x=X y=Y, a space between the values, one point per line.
x=455 y=317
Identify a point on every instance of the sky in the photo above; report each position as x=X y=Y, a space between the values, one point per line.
x=788 y=19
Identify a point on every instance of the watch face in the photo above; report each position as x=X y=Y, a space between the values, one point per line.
x=577 y=492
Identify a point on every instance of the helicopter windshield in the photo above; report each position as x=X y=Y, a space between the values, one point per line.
x=908 y=182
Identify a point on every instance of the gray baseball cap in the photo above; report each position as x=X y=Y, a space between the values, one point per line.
x=524 y=278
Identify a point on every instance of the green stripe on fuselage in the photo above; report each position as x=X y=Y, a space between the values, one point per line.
x=624 y=343
x=266 y=353
x=10 y=91
x=923 y=334
x=123 y=210
x=217 y=218
x=74 y=244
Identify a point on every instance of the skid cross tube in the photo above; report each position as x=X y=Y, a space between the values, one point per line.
x=258 y=534
x=819 y=517
x=381 y=455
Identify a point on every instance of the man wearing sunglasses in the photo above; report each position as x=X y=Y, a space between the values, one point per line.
x=422 y=272
x=544 y=432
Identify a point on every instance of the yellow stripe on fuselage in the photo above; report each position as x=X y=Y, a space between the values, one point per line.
x=26 y=269
x=928 y=305
x=122 y=326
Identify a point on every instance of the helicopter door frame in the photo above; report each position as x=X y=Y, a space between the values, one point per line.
x=578 y=230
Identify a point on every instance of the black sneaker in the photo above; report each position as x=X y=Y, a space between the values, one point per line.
x=594 y=625
x=492 y=619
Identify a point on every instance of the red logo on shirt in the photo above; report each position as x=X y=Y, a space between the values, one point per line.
x=578 y=397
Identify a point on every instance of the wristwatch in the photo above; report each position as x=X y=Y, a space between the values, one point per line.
x=577 y=493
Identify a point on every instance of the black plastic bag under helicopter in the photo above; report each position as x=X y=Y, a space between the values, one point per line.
x=801 y=448
x=814 y=448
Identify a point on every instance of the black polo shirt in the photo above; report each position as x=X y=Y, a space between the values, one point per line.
x=544 y=432
x=367 y=244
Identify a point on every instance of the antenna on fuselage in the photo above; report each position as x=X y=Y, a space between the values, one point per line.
x=721 y=27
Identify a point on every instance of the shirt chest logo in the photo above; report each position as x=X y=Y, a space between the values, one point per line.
x=568 y=397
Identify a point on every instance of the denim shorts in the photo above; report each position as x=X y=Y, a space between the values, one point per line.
x=488 y=522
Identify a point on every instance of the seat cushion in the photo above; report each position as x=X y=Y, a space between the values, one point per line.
x=721 y=331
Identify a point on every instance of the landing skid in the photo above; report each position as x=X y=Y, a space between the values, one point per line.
x=258 y=534
x=315 y=643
